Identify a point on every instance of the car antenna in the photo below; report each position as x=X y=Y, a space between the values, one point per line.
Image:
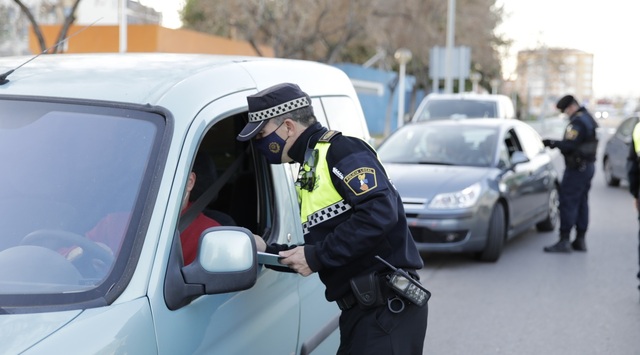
x=3 y=77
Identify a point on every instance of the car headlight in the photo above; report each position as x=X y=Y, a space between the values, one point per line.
x=459 y=199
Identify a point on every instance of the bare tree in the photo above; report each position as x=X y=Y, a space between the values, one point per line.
x=4 y=25
x=303 y=29
x=353 y=30
x=68 y=21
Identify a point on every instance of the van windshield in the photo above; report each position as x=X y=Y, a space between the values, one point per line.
x=73 y=182
x=457 y=108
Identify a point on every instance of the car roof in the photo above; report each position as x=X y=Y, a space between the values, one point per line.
x=148 y=77
x=478 y=122
x=465 y=96
x=131 y=76
x=181 y=83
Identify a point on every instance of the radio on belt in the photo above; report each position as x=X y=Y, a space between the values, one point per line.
x=406 y=286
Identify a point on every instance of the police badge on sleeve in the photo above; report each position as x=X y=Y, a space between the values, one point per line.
x=361 y=180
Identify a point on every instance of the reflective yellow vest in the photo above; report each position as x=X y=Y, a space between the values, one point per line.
x=323 y=202
x=636 y=138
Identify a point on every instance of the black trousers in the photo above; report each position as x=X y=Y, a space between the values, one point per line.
x=574 y=198
x=378 y=331
x=638 y=252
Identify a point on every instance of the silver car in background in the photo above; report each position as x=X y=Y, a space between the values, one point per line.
x=438 y=106
x=470 y=185
x=616 y=150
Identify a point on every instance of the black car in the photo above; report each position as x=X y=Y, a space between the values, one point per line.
x=616 y=151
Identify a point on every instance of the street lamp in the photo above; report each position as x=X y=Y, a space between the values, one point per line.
x=402 y=56
x=494 y=85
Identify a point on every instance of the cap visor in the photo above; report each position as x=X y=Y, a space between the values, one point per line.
x=250 y=130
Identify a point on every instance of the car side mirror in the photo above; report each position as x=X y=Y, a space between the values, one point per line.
x=518 y=157
x=226 y=262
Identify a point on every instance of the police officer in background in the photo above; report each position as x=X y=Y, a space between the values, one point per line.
x=633 y=174
x=350 y=213
x=578 y=147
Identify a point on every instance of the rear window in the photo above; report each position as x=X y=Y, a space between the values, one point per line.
x=72 y=190
x=457 y=108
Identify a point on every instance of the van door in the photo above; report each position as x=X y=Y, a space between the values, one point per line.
x=263 y=317
x=341 y=113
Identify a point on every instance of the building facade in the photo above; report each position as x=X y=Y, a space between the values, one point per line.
x=14 y=25
x=547 y=74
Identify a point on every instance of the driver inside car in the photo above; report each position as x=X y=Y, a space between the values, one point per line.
x=109 y=232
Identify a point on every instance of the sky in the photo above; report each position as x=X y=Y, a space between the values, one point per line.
x=170 y=11
x=607 y=29
x=604 y=28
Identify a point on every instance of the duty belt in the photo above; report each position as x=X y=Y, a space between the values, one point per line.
x=349 y=300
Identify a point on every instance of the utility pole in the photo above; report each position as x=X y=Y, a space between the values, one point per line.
x=123 y=25
x=402 y=55
x=543 y=68
x=451 y=29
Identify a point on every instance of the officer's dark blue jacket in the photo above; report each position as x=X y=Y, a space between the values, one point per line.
x=345 y=246
x=580 y=138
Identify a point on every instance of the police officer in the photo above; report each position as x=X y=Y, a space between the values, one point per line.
x=350 y=213
x=633 y=174
x=578 y=147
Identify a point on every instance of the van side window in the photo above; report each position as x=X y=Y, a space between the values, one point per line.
x=318 y=111
x=244 y=198
x=512 y=142
x=341 y=113
x=532 y=144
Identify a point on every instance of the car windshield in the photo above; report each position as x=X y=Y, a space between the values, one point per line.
x=445 y=145
x=73 y=182
x=457 y=108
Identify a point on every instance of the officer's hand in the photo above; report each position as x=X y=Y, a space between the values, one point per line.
x=296 y=260
x=549 y=143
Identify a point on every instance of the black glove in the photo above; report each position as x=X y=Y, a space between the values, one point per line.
x=549 y=143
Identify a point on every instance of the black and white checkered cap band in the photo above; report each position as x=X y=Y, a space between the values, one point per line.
x=325 y=214
x=278 y=110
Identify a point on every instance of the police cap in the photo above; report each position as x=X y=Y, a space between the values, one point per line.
x=272 y=102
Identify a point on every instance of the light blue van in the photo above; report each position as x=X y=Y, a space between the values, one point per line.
x=95 y=153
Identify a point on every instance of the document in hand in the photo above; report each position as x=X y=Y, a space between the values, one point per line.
x=269 y=259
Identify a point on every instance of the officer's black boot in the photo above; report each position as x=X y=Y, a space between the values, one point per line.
x=562 y=246
x=579 y=243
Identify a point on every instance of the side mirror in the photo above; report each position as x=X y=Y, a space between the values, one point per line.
x=518 y=157
x=226 y=262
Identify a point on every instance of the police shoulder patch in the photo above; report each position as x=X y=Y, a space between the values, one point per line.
x=570 y=133
x=361 y=180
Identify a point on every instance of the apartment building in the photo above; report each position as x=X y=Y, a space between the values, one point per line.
x=547 y=74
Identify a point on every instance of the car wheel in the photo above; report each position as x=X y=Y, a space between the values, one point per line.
x=549 y=224
x=495 y=235
x=608 y=174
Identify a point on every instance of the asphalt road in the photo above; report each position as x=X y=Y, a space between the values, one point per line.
x=531 y=302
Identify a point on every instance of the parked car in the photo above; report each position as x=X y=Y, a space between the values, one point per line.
x=470 y=185
x=438 y=106
x=616 y=150
x=113 y=137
